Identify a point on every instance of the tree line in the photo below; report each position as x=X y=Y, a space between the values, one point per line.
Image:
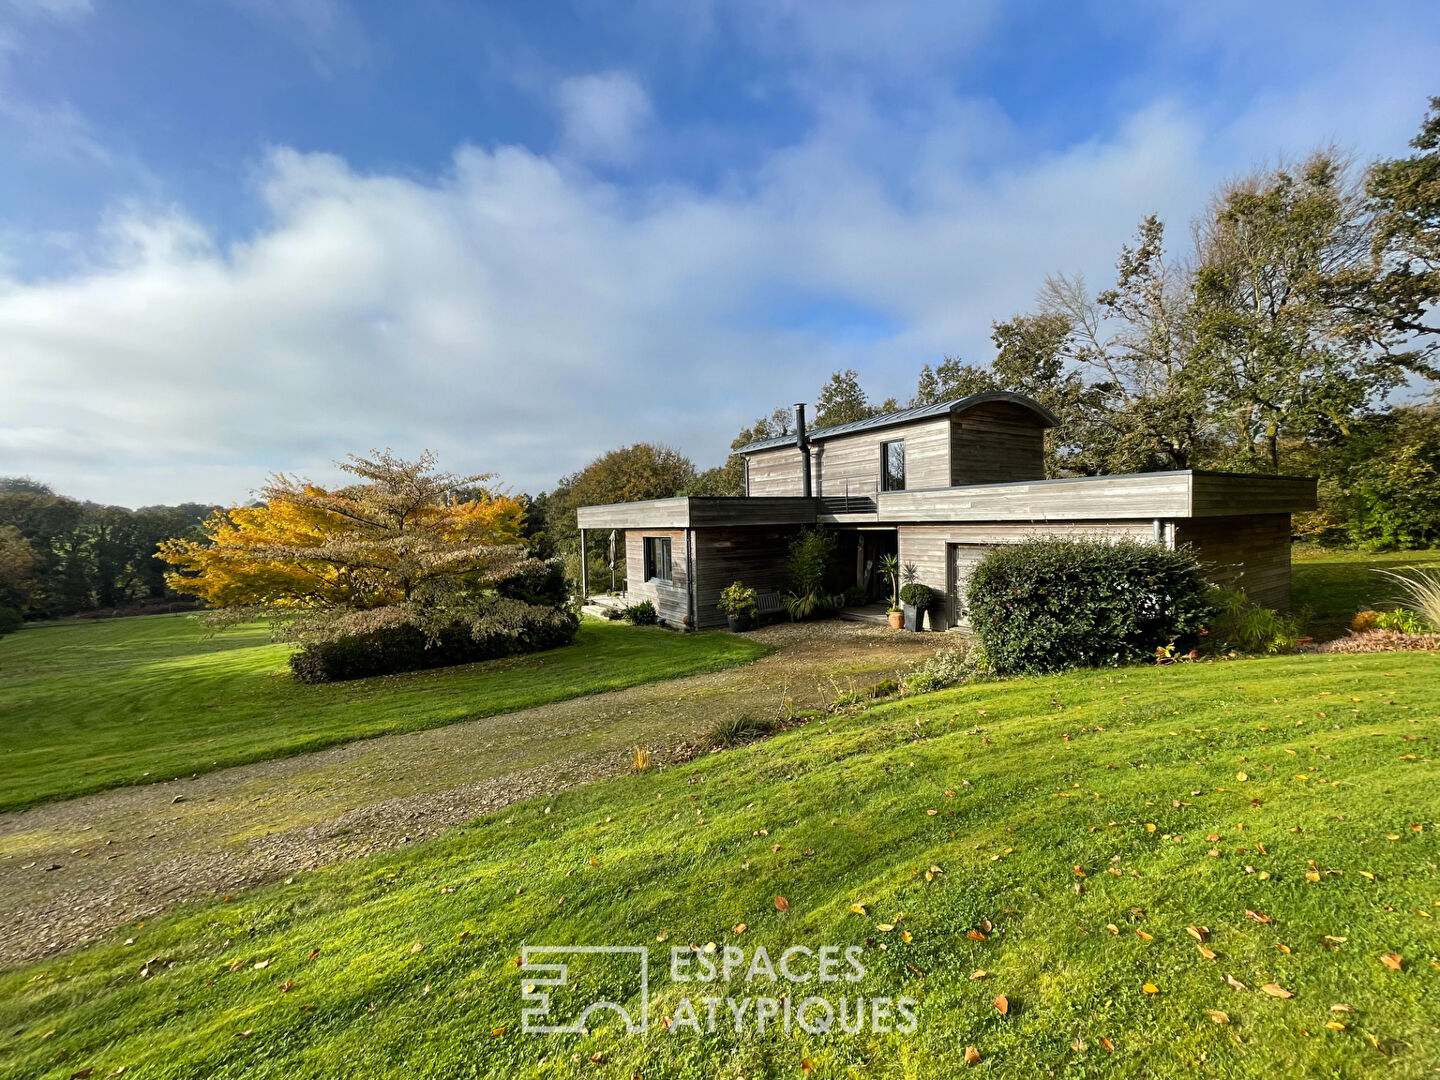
x=1275 y=340
x=61 y=556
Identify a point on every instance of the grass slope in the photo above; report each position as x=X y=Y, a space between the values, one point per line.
x=403 y=965
x=88 y=706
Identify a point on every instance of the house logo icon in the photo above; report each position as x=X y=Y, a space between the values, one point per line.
x=545 y=974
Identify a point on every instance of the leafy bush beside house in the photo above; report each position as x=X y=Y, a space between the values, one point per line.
x=1049 y=604
x=810 y=555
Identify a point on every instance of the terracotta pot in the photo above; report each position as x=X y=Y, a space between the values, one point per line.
x=897 y=620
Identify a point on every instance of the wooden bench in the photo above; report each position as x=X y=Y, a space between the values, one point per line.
x=768 y=604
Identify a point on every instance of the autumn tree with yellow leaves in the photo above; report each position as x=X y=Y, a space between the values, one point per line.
x=404 y=546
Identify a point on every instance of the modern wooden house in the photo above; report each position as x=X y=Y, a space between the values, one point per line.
x=938 y=486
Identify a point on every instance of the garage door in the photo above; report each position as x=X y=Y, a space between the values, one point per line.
x=963 y=558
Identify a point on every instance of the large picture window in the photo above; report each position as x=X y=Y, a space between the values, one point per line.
x=657 y=559
x=892 y=464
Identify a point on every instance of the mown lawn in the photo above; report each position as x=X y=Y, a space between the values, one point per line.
x=1059 y=835
x=87 y=706
x=1331 y=586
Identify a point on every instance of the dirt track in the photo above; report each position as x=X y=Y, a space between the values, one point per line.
x=72 y=871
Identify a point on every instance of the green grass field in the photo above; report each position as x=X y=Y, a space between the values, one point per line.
x=88 y=706
x=1186 y=796
x=1332 y=585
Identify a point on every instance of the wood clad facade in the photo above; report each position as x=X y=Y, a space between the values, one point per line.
x=672 y=598
x=974 y=478
x=755 y=556
x=1250 y=551
x=994 y=443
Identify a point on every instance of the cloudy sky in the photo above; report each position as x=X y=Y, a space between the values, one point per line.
x=240 y=236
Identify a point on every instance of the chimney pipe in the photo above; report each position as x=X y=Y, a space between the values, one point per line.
x=802 y=440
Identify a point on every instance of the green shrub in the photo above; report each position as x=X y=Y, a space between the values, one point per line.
x=738 y=601
x=944 y=669
x=810 y=555
x=1403 y=621
x=1247 y=627
x=916 y=595
x=855 y=596
x=10 y=620
x=396 y=649
x=1050 y=604
x=539 y=581
x=734 y=730
x=641 y=614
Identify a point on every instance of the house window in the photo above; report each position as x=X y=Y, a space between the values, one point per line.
x=892 y=464
x=657 y=559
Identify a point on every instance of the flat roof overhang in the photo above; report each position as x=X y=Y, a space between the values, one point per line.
x=694 y=511
x=1137 y=496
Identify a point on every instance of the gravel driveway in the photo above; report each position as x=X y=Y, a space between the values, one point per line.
x=72 y=871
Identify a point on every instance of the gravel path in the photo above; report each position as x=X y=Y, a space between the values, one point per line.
x=72 y=871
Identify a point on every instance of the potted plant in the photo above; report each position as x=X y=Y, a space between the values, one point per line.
x=890 y=568
x=738 y=604
x=915 y=598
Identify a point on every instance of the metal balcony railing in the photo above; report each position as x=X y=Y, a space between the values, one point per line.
x=855 y=497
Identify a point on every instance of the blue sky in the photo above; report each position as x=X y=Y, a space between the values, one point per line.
x=246 y=235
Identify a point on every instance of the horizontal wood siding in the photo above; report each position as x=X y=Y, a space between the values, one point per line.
x=776 y=472
x=1091 y=498
x=1250 y=551
x=856 y=458
x=671 y=601
x=1229 y=494
x=755 y=556
x=996 y=443
x=653 y=514
x=697 y=511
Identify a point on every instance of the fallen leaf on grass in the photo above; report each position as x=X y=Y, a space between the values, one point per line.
x=1275 y=990
x=1150 y=988
x=781 y=904
x=1002 y=1003
x=1257 y=916
x=1208 y=954
x=1199 y=933
x=261 y=964
x=1143 y=936
x=740 y=928
x=1218 y=1016
x=418 y=947
x=1391 y=961
x=975 y=935
x=1335 y=1025
x=858 y=909
x=972 y=1056
x=980 y=974
x=1107 y=1044
x=806 y=1067
x=1236 y=983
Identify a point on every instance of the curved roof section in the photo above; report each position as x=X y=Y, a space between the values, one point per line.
x=906 y=416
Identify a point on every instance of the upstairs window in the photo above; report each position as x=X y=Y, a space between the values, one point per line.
x=892 y=466
x=657 y=559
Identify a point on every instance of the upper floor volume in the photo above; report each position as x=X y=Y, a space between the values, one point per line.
x=990 y=438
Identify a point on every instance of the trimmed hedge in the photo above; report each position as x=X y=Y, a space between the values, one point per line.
x=1050 y=604
x=394 y=650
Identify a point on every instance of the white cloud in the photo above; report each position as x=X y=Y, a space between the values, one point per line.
x=522 y=314
x=603 y=116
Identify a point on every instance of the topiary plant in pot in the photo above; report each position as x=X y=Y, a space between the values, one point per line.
x=740 y=608
x=914 y=599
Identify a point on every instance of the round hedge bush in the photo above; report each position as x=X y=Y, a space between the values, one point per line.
x=1051 y=604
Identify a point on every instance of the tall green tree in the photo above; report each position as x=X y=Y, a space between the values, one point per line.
x=1279 y=355
x=627 y=474
x=1395 y=300
x=843 y=401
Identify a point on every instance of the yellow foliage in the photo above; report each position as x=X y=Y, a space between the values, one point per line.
x=364 y=546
